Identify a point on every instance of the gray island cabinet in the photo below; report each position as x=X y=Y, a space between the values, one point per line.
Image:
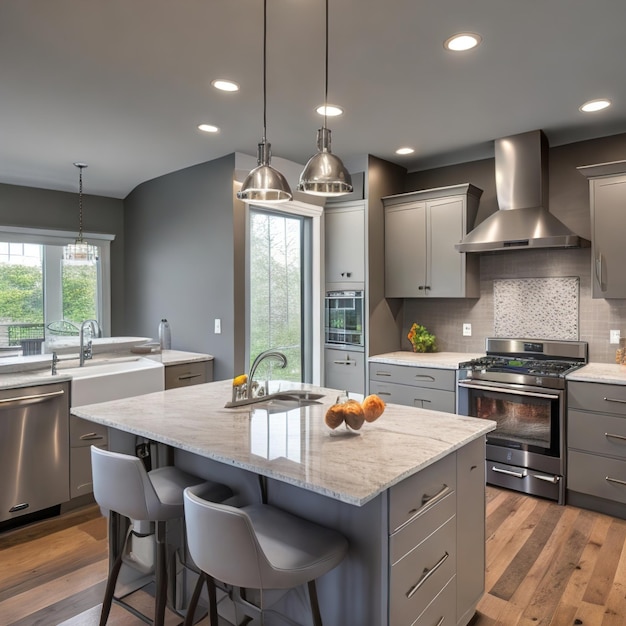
x=408 y=492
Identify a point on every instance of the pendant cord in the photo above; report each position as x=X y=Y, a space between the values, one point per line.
x=326 y=70
x=264 y=69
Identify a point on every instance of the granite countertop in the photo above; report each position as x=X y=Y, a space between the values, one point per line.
x=442 y=360
x=600 y=373
x=293 y=446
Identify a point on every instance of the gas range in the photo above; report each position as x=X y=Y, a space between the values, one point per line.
x=526 y=362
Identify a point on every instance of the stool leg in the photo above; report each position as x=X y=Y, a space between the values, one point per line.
x=193 y=603
x=210 y=583
x=114 y=521
x=161 y=575
x=315 y=607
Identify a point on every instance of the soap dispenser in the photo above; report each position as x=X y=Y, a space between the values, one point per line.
x=165 y=335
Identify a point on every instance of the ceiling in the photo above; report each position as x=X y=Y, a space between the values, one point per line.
x=123 y=84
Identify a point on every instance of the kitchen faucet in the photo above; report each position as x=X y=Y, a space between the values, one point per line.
x=86 y=351
x=265 y=355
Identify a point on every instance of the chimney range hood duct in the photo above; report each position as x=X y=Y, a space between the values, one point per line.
x=522 y=220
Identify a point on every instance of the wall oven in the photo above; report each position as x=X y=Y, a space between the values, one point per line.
x=520 y=385
x=343 y=319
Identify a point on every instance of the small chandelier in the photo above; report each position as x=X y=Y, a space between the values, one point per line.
x=81 y=249
x=325 y=174
x=264 y=184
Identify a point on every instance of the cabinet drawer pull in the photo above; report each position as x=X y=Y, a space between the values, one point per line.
x=383 y=373
x=426 y=503
x=621 y=437
x=615 y=400
x=36 y=396
x=442 y=619
x=90 y=436
x=188 y=376
x=617 y=481
x=344 y=362
x=421 y=402
x=499 y=470
x=426 y=574
x=425 y=377
x=384 y=393
x=549 y=479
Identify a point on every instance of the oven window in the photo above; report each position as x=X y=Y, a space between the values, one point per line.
x=523 y=421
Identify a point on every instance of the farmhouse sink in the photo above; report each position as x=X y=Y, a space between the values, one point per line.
x=99 y=381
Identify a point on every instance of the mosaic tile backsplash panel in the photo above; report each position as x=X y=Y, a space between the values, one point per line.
x=545 y=308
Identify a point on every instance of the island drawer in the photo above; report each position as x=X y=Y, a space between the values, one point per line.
x=602 y=434
x=441 y=611
x=81 y=481
x=418 y=494
x=597 y=476
x=85 y=433
x=600 y=397
x=420 y=397
x=419 y=376
x=186 y=374
x=417 y=578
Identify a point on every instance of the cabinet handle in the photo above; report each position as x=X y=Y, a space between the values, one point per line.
x=426 y=574
x=615 y=400
x=36 y=396
x=90 y=436
x=421 y=402
x=621 y=437
x=347 y=274
x=421 y=287
x=499 y=470
x=427 y=287
x=617 y=481
x=188 y=376
x=549 y=479
x=384 y=393
x=383 y=373
x=427 y=503
x=348 y=362
x=442 y=619
x=599 y=271
x=425 y=377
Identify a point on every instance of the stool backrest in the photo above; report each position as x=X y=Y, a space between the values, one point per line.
x=222 y=542
x=121 y=484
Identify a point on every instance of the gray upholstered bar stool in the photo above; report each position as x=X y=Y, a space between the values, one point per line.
x=122 y=486
x=257 y=546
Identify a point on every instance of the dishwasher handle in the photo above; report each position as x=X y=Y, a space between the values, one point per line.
x=30 y=399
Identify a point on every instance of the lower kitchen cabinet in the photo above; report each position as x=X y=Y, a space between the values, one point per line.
x=422 y=387
x=186 y=374
x=596 y=442
x=344 y=369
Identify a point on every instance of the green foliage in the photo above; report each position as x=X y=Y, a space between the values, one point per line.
x=79 y=293
x=421 y=339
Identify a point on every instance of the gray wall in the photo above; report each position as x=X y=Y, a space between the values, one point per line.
x=180 y=261
x=57 y=210
x=569 y=201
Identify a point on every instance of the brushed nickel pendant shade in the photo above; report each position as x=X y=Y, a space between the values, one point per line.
x=325 y=174
x=81 y=249
x=264 y=184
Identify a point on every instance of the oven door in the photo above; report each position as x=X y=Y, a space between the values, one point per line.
x=528 y=418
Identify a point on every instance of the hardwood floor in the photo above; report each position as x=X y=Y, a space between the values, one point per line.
x=546 y=565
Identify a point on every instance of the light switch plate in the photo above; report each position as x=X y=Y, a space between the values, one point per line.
x=614 y=336
x=467 y=330
x=218 y=326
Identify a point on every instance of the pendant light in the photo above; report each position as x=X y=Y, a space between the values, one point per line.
x=264 y=184
x=80 y=250
x=325 y=174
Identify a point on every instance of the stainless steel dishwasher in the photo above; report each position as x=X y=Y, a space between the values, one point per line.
x=34 y=449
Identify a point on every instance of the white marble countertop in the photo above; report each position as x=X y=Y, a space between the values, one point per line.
x=442 y=360
x=600 y=373
x=293 y=446
x=177 y=357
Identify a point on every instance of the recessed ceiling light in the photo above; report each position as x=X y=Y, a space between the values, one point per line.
x=595 y=105
x=225 y=85
x=208 y=128
x=332 y=110
x=405 y=151
x=462 y=41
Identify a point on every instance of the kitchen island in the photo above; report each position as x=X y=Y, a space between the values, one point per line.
x=407 y=491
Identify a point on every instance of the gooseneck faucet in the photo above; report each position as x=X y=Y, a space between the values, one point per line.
x=86 y=351
x=263 y=356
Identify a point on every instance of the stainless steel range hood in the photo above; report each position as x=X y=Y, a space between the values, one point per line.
x=523 y=220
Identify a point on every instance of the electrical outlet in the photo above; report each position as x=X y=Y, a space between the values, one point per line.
x=467 y=330
x=218 y=326
x=614 y=336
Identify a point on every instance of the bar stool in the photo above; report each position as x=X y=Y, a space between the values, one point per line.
x=257 y=546
x=122 y=486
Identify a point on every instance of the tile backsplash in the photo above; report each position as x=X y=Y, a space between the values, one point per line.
x=596 y=317
x=536 y=307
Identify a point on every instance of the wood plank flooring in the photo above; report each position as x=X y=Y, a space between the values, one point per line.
x=546 y=565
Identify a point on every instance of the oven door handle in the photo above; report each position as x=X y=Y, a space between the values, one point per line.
x=516 y=392
x=499 y=470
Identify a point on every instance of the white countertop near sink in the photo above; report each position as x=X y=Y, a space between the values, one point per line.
x=442 y=360
x=600 y=373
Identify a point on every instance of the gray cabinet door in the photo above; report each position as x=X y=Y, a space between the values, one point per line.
x=345 y=245
x=405 y=251
x=608 y=220
x=344 y=370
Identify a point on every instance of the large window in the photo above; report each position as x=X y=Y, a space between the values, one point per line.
x=44 y=297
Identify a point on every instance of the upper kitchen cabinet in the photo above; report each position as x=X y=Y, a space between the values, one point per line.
x=421 y=229
x=607 y=188
x=345 y=245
